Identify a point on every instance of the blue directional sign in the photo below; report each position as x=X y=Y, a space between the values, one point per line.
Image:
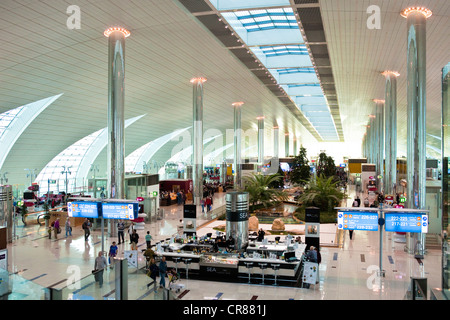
x=116 y=210
x=406 y=222
x=358 y=220
x=83 y=209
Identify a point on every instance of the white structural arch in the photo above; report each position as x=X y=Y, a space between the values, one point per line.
x=76 y=159
x=14 y=122
x=135 y=161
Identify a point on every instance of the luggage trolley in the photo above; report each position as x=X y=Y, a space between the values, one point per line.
x=173 y=278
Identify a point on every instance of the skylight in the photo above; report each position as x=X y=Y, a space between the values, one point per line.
x=274 y=39
x=284 y=50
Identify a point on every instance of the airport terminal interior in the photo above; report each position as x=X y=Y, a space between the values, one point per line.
x=224 y=150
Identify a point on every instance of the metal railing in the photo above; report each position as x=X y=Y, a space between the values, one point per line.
x=418 y=289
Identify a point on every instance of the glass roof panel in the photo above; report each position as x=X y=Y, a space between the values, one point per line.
x=273 y=36
x=247 y=4
x=284 y=50
x=257 y=20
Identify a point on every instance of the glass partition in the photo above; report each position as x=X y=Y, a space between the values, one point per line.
x=445 y=181
x=15 y=287
x=133 y=281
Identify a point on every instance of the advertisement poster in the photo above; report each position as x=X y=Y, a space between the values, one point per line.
x=310 y=270
x=132 y=257
x=190 y=225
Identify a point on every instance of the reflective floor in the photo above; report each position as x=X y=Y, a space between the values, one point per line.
x=348 y=271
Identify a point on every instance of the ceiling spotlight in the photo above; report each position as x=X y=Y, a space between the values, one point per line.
x=387 y=72
x=426 y=12
x=199 y=79
x=237 y=104
x=109 y=31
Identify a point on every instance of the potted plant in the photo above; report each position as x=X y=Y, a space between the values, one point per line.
x=24 y=212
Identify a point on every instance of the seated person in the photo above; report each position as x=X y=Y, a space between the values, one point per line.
x=230 y=242
x=261 y=234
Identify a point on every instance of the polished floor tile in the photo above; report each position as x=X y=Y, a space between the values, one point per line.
x=348 y=271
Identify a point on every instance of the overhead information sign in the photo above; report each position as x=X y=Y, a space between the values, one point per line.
x=406 y=222
x=126 y=211
x=83 y=209
x=358 y=220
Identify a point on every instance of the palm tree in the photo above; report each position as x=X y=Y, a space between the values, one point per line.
x=257 y=185
x=322 y=193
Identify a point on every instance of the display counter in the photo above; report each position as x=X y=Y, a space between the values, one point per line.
x=218 y=265
x=179 y=261
x=234 y=267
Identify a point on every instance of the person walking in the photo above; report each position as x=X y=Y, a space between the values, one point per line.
x=68 y=227
x=56 y=228
x=130 y=230
x=112 y=254
x=99 y=267
x=87 y=229
x=208 y=204
x=162 y=272
x=356 y=204
x=203 y=205
x=152 y=273
x=148 y=239
x=134 y=238
x=120 y=230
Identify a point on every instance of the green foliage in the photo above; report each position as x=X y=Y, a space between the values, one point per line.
x=325 y=217
x=46 y=208
x=322 y=193
x=279 y=183
x=326 y=166
x=300 y=173
x=23 y=209
x=257 y=185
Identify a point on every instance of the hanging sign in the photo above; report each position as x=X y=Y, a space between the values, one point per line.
x=406 y=222
x=358 y=220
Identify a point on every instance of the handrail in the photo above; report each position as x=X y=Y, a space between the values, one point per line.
x=419 y=288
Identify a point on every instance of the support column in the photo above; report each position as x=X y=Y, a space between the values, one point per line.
x=116 y=122
x=223 y=173
x=197 y=140
x=372 y=138
x=379 y=121
x=295 y=145
x=286 y=144
x=260 y=143
x=237 y=165
x=390 y=118
x=416 y=116
x=276 y=142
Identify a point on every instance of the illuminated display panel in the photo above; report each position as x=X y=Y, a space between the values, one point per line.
x=125 y=211
x=358 y=220
x=406 y=222
x=83 y=209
